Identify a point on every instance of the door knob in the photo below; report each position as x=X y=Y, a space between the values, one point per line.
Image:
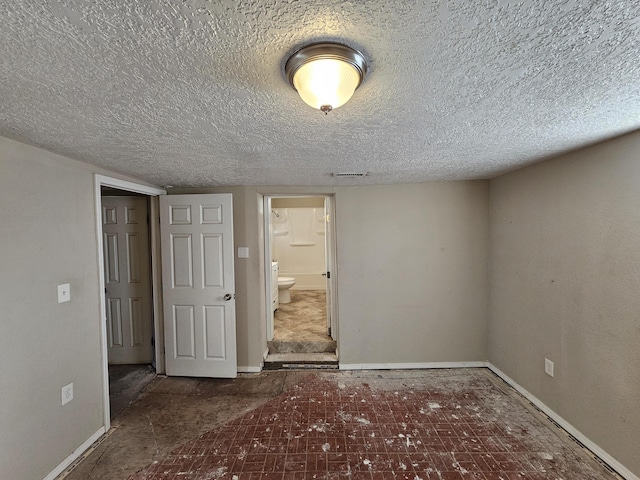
x=227 y=297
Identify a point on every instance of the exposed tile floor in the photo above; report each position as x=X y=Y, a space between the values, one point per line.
x=434 y=424
x=301 y=326
x=169 y=412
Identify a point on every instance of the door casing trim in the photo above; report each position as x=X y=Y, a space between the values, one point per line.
x=152 y=192
x=265 y=201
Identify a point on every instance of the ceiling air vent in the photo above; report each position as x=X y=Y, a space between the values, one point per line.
x=350 y=174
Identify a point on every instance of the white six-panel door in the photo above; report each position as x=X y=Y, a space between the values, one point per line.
x=198 y=285
x=127 y=279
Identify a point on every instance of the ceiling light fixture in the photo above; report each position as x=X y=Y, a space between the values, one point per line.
x=325 y=75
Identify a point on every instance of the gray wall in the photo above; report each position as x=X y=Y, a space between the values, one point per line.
x=412 y=265
x=423 y=250
x=565 y=284
x=47 y=237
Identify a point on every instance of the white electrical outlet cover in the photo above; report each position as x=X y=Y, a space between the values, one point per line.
x=243 y=252
x=548 y=367
x=67 y=393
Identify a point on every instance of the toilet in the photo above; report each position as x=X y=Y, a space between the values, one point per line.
x=284 y=284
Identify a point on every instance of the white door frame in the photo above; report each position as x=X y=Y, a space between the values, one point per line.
x=152 y=192
x=268 y=267
x=331 y=262
x=266 y=202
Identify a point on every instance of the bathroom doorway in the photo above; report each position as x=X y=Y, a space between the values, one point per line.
x=299 y=252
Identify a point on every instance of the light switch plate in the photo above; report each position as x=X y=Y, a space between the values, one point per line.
x=64 y=293
x=243 y=252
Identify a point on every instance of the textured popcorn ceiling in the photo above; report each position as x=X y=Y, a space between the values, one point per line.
x=192 y=92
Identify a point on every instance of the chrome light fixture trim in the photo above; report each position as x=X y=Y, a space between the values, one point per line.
x=326 y=51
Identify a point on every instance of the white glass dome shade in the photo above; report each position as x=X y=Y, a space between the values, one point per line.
x=325 y=75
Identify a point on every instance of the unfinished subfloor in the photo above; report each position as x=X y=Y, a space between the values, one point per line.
x=125 y=384
x=420 y=424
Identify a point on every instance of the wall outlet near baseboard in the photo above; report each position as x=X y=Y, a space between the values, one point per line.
x=548 y=367
x=67 y=393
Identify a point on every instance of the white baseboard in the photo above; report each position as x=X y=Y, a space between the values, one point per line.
x=410 y=366
x=604 y=456
x=75 y=455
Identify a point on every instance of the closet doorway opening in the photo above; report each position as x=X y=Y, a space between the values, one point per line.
x=300 y=280
x=131 y=322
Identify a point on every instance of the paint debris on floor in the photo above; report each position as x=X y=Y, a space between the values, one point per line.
x=417 y=425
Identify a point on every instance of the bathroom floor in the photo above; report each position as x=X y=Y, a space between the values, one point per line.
x=301 y=326
x=417 y=425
